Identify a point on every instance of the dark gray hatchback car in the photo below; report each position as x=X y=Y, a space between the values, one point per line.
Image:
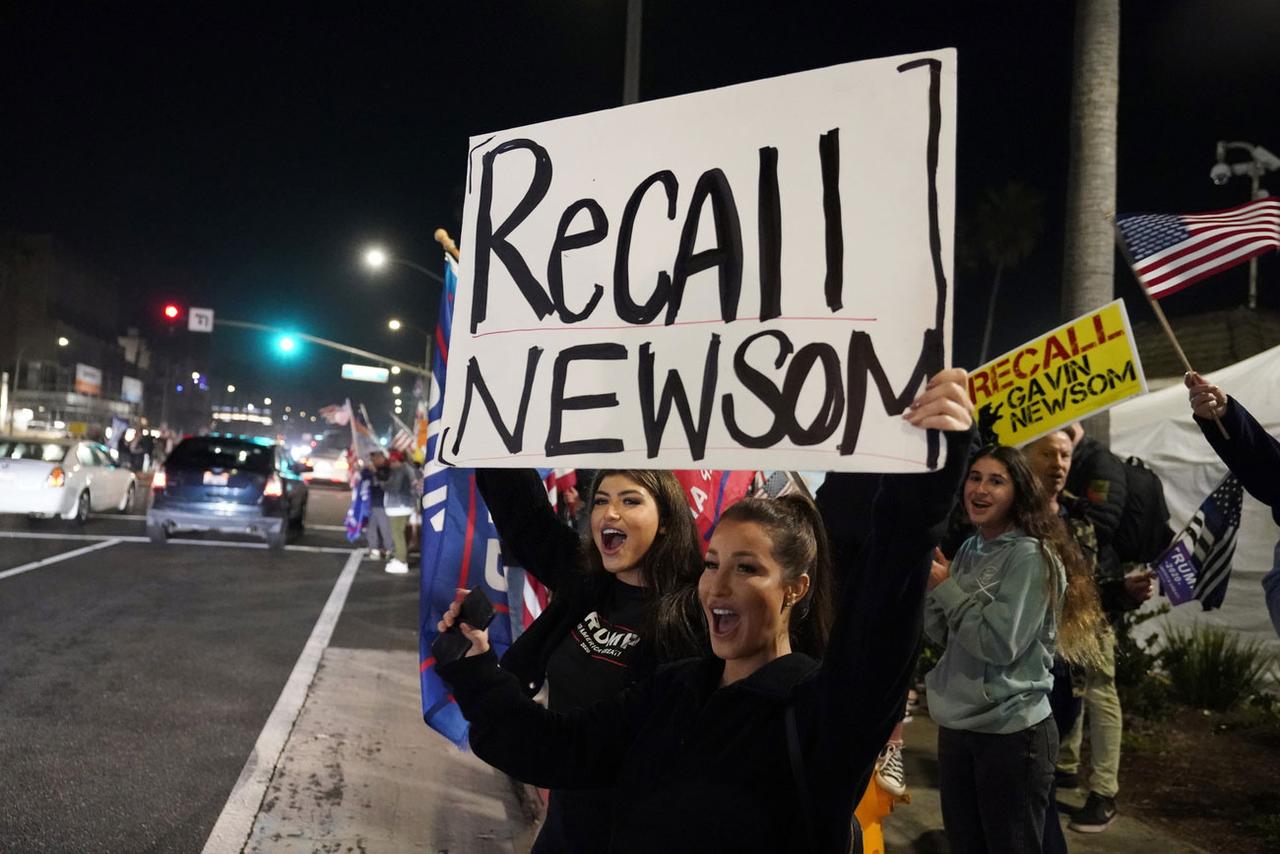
x=224 y=482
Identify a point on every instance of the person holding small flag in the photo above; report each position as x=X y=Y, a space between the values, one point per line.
x=1250 y=453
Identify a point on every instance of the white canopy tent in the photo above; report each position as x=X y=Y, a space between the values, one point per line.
x=1159 y=429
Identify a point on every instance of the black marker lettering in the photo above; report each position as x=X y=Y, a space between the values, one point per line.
x=628 y=311
x=768 y=393
x=829 y=158
x=488 y=240
x=673 y=392
x=513 y=439
x=726 y=255
x=769 y=232
x=559 y=403
x=563 y=243
x=832 y=408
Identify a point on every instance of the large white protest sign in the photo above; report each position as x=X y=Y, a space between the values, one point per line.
x=752 y=277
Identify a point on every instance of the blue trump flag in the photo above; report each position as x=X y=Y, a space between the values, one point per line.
x=460 y=545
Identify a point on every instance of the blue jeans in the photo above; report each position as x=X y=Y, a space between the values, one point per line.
x=995 y=788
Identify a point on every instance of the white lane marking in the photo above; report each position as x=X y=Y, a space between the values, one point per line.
x=231 y=832
x=144 y=518
x=36 y=564
x=125 y=538
x=34 y=535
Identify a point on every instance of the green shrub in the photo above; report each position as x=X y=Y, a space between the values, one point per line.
x=1143 y=690
x=1266 y=828
x=1210 y=667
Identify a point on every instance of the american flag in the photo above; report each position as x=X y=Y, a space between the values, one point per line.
x=1198 y=563
x=402 y=440
x=1171 y=251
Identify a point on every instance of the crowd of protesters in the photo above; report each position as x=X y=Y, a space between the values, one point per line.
x=740 y=701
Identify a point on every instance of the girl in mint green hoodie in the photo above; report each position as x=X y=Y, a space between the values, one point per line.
x=996 y=609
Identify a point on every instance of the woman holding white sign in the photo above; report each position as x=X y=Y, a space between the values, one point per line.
x=624 y=601
x=760 y=746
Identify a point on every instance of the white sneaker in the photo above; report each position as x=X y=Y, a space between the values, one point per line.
x=397 y=567
x=890 y=775
x=373 y=554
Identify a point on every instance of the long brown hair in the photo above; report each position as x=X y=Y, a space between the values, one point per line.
x=795 y=528
x=1080 y=622
x=669 y=569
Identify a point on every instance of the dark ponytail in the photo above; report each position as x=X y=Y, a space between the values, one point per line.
x=794 y=526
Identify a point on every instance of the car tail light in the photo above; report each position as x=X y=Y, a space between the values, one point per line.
x=57 y=478
x=274 y=488
x=159 y=481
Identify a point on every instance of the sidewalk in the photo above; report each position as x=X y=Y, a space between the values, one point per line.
x=361 y=772
x=917 y=827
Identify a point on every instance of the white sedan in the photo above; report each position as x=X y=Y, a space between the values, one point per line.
x=61 y=477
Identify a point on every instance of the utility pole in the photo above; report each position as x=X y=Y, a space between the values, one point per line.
x=631 y=63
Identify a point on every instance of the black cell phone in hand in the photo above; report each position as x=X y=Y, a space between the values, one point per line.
x=476 y=612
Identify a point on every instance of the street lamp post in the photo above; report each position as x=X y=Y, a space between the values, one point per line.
x=376 y=258
x=395 y=324
x=1259 y=163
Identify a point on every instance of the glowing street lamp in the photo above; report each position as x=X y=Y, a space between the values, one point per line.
x=231 y=389
x=375 y=258
x=394 y=325
x=63 y=341
x=266 y=401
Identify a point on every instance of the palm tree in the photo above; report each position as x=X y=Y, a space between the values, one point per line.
x=1006 y=228
x=1088 y=270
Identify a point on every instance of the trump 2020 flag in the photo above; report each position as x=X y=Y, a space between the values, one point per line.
x=358 y=511
x=460 y=549
x=1198 y=563
x=710 y=493
x=1168 y=252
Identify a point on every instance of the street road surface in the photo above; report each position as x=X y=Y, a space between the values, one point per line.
x=135 y=680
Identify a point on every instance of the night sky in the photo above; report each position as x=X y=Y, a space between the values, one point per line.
x=238 y=155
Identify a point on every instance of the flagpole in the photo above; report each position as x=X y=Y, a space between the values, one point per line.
x=351 y=422
x=1155 y=306
x=443 y=238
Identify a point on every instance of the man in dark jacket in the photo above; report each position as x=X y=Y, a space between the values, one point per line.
x=1251 y=454
x=1098 y=475
x=1051 y=458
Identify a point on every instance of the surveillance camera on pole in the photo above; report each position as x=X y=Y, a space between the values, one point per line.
x=1259 y=163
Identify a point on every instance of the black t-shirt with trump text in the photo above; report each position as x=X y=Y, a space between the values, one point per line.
x=593 y=661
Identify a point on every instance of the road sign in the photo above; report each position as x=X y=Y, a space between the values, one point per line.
x=200 y=319
x=365 y=373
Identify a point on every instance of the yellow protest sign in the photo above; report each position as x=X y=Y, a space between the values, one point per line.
x=1076 y=370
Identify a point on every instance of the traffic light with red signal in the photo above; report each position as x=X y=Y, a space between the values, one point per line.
x=171 y=312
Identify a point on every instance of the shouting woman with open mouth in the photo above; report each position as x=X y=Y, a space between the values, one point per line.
x=760 y=746
x=624 y=601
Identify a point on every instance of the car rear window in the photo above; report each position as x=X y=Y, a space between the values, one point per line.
x=48 y=452
x=209 y=453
